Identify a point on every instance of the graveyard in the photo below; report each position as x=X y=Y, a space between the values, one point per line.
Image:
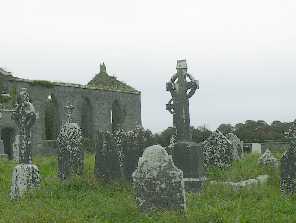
x=128 y=174
x=85 y=199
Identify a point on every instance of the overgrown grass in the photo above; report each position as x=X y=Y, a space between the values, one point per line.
x=85 y=199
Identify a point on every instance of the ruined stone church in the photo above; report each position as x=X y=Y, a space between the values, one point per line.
x=105 y=103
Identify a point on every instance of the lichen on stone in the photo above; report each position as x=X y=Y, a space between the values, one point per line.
x=217 y=151
x=25 y=177
x=70 y=154
x=237 y=146
x=103 y=81
x=117 y=152
x=158 y=183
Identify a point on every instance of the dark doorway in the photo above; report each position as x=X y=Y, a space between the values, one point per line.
x=7 y=135
x=52 y=120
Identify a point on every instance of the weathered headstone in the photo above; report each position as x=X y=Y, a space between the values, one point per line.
x=237 y=146
x=25 y=175
x=186 y=154
x=288 y=164
x=108 y=161
x=70 y=154
x=217 y=151
x=117 y=153
x=158 y=183
x=267 y=159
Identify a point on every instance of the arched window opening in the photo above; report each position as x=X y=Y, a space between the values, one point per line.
x=87 y=119
x=117 y=116
x=7 y=135
x=51 y=118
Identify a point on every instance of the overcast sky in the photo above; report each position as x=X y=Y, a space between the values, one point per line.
x=242 y=52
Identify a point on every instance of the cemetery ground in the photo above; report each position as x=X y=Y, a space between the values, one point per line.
x=86 y=199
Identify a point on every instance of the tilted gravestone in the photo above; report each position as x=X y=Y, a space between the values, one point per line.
x=158 y=183
x=186 y=154
x=117 y=153
x=25 y=175
x=288 y=164
x=267 y=159
x=70 y=154
x=217 y=151
x=237 y=146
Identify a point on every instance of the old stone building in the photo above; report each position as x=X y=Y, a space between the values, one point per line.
x=105 y=103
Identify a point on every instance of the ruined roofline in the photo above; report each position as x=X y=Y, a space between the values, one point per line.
x=46 y=83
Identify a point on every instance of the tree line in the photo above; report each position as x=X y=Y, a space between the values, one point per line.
x=249 y=131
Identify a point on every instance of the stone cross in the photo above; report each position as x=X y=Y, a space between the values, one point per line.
x=24 y=117
x=181 y=90
x=69 y=112
x=70 y=154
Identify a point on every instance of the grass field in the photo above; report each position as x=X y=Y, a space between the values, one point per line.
x=86 y=199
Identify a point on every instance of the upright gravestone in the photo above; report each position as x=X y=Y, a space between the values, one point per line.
x=70 y=154
x=237 y=146
x=117 y=153
x=158 y=183
x=109 y=157
x=288 y=164
x=187 y=154
x=217 y=150
x=25 y=176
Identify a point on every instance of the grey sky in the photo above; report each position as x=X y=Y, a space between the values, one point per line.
x=243 y=52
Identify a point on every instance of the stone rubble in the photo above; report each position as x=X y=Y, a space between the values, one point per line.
x=261 y=179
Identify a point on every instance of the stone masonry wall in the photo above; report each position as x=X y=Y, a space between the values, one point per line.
x=100 y=103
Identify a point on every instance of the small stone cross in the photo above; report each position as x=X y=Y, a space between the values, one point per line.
x=69 y=111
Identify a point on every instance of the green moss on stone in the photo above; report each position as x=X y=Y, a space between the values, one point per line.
x=103 y=81
x=42 y=83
